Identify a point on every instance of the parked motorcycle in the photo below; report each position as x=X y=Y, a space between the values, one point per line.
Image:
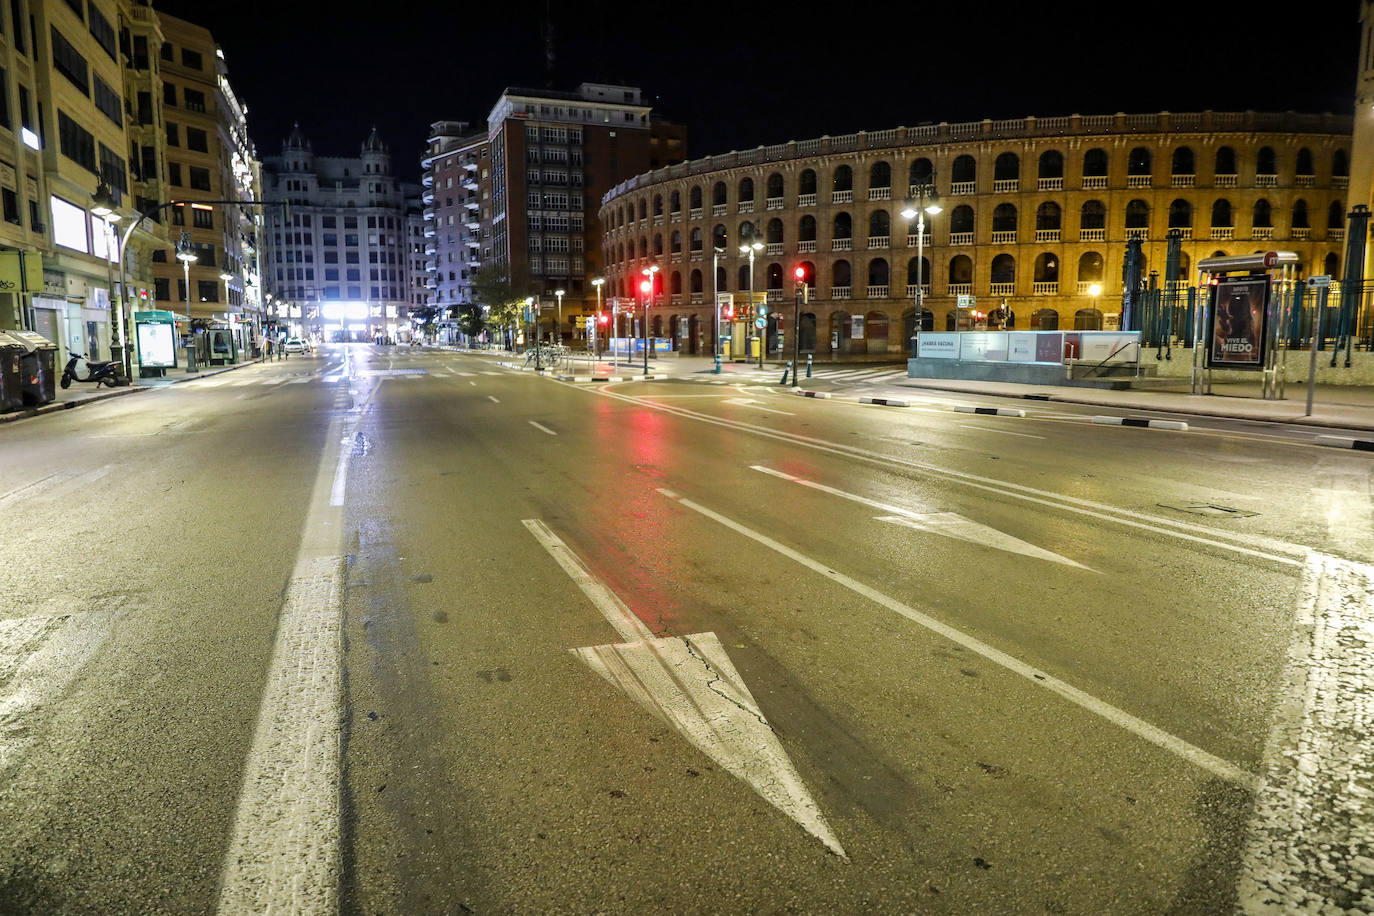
x=109 y=373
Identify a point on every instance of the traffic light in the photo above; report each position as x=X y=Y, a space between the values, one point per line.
x=800 y=274
x=728 y=312
x=604 y=319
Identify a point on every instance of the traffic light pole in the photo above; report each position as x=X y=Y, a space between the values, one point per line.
x=799 y=300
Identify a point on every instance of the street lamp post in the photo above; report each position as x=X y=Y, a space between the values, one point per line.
x=648 y=287
x=103 y=206
x=186 y=256
x=750 y=251
x=596 y=326
x=558 y=336
x=534 y=329
x=927 y=201
x=715 y=295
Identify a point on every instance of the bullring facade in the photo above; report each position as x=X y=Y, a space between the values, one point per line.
x=1036 y=212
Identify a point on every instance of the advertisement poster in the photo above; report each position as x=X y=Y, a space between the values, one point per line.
x=1107 y=347
x=156 y=347
x=938 y=345
x=1238 y=316
x=1021 y=346
x=977 y=345
x=856 y=327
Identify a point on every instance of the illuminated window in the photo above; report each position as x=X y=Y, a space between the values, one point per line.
x=69 y=225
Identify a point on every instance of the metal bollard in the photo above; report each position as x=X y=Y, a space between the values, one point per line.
x=785 y=370
x=808 y=365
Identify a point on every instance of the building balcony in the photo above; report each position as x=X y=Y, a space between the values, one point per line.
x=1045 y=288
x=1006 y=185
x=1084 y=287
x=1266 y=181
x=879 y=241
x=469 y=166
x=1262 y=233
x=962 y=188
x=1305 y=181
x=697 y=254
x=698 y=298
x=431 y=249
x=694 y=213
x=1184 y=232
x=1003 y=289
x=1335 y=234
x=1094 y=182
x=720 y=209
x=471 y=204
x=877 y=292
x=842 y=197
x=675 y=299
x=1047 y=235
x=773 y=203
x=774 y=249
x=1139 y=181
x=1005 y=237
x=1138 y=232
x=1340 y=182
x=879 y=193
x=775 y=295
x=958 y=289
x=1092 y=235
x=839 y=292
x=1182 y=181
x=746 y=206
x=1299 y=233
x=1050 y=184
x=961 y=238
x=427 y=197
x=429 y=232
x=659 y=220
x=1223 y=233
x=806 y=246
x=675 y=216
x=469 y=183
x=473 y=224
x=911 y=290
x=806 y=200
x=427 y=179
x=911 y=240
x=841 y=244
x=675 y=258
x=431 y=283
x=1224 y=181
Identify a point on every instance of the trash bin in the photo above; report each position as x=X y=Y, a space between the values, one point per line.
x=191 y=358
x=37 y=367
x=11 y=352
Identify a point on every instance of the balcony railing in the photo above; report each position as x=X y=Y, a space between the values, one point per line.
x=1092 y=235
x=1045 y=288
x=675 y=258
x=1047 y=235
x=842 y=197
x=911 y=290
x=1005 y=237
x=806 y=200
x=773 y=203
x=659 y=220
x=1224 y=181
x=774 y=249
x=1223 y=233
x=1266 y=181
x=1003 y=289
x=719 y=209
x=1336 y=234
x=961 y=188
x=806 y=246
x=959 y=289
x=1182 y=181
x=879 y=241
x=877 y=292
x=1184 y=232
x=1261 y=233
x=1139 y=181
x=746 y=206
x=1305 y=181
x=961 y=238
x=697 y=254
x=675 y=216
x=879 y=193
x=1050 y=184
x=1137 y=232
x=1005 y=185
x=1299 y=233
x=841 y=244
x=1094 y=182
x=775 y=295
x=839 y=292
x=698 y=298
x=675 y=299
x=911 y=239
x=1340 y=182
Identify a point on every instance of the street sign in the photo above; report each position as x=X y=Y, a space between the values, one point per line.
x=1271 y=258
x=965 y=301
x=760 y=323
x=1320 y=280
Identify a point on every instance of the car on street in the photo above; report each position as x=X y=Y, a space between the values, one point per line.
x=298 y=345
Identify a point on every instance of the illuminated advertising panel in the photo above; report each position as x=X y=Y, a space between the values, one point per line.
x=157 y=345
x=1239 y=310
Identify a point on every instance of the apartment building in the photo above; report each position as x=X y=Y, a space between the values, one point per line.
x=456 y=176
x=337 y=264
x=417 y=277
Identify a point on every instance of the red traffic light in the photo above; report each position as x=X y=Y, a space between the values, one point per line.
x=799 y=273
x=604 y=319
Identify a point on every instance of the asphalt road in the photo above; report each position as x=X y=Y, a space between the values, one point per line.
x=391 y=631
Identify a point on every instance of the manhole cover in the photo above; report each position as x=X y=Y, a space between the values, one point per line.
x=1211 y=509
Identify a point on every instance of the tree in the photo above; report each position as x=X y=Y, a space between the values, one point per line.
x=426 y=314
x=491 y=287
x=471 y=321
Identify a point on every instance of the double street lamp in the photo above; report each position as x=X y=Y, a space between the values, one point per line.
x=648 y=287
x=598 y=282
x=751 y=249
x=927 y=201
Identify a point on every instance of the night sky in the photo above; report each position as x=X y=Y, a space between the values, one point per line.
x=739 y=76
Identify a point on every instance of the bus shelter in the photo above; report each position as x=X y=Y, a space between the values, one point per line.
x=1240 y=328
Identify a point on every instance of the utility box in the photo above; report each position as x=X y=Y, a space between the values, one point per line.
x=37 y=368
x=11 y=352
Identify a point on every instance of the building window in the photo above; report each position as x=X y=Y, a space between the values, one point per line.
x=101 y=29
x=76 y=142
x=173 y=134
x=207 y=290
x=191 y=59
x=69 y=225
x=197 y=140
x=195 y=100
x=201 y=218
x=174 y=173
x=69 y=62
x=200 y=178
x=107 y=100
x=162 y=287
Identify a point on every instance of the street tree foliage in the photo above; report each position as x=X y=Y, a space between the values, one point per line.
x=492 y=288
x=470 y=320
x=426 y=314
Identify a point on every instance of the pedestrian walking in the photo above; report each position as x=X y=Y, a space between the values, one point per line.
x=269 y=349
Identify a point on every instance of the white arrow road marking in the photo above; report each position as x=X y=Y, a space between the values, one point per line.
x=1311 y=841
x=750 y=402
x=950 y=524
x=1120 y=717
x=690 y=684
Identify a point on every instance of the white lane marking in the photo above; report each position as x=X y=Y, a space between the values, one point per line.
x=38 y=486
x=40 y=657
x=489 y=372
x=473 y=384
x=1119 y=717
x=750 y=402
x=1311 y=834
x=1005 y=432
x=452 y=371
x=690 y=684
x=542 y=428
x=949 y=524
x=493 y=399
x=298 y=381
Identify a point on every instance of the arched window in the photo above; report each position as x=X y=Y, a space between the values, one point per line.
x=675 y=202
x=1051 y=164
x=1180 y=214
x=840 y=274
x=1004 y=218
x=960 y=269
x=774 y=274
x=1048 y=216
x=658 y=244
x=1093 y=215
x=718 y=193
x=1007 y=167
x=806 y=182
x=643 y=248
x=1137 y=214
x=880 y=175
x=743 y=277
x=643 y=208
x=1335 y=215
x=696 y=240
x=722 y=279
x=1087 y=320
x=964 y=169
x=675 y=243
x=911 y=271
x=1184 y=266
x=719 y=236
x=1046 y=268
x=961 y=219
x=1221 y=214
x=809 y=271
x=775 y=185
x=879 y=224
x=1003 y=269
x=1305 y=162
x=1184 y=163
x=676 y=286
x=806 y=229
x=658 y=205
x=746 y=189
x=1140 y=162
x=619 y=217
x=1044 y=320
x=746 y=232
x=921 y=172
x=843 y=179
x=1091 y=267
x=1300 y=214
x=877 y=272
x=1266 y=161
x=843 y=227
x=1226 y=161
x=696 y=281
x=1333 y=265
x=774 y=232
x=1340 y=164
x=1095 y=163
x=1262 y=216
x=694 y=198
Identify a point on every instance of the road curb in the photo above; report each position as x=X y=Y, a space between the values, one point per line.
x=885 y=402
x=991 y=411
x=1359 y=445
x=810 y=394
x=1142 y=423
x=58 y=406
x=579 y=379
